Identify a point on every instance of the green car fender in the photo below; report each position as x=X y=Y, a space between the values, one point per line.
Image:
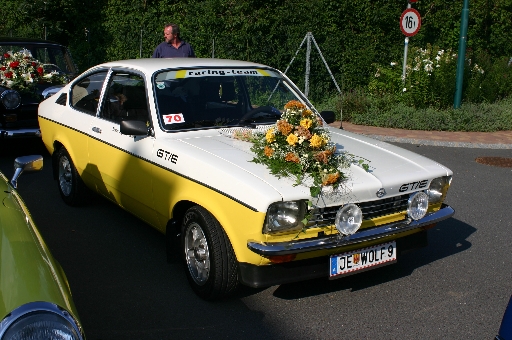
x=28 y=272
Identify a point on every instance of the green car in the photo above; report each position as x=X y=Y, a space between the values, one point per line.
x=35 y=299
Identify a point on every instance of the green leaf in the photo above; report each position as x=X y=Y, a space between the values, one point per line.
x=315 y=191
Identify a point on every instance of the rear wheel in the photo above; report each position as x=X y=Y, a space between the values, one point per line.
x=211 y=265
x=71 y=187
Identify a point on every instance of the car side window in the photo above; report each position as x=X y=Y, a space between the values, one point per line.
x=85 y=94
x=125 y=98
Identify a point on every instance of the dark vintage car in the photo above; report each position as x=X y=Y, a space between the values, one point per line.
x=18 y=111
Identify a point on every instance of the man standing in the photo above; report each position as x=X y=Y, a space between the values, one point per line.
x=173 y=46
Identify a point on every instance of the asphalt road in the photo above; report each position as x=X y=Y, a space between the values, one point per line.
x=456 y=288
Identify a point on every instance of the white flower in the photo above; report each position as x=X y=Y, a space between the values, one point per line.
x=405 y=89
x=393 y=63
x=438 y=57
x=27 y=78
x=377 y=74
x=48 y=75
x=429 y=68
x=440 y=52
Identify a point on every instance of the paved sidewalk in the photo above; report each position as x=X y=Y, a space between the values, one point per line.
x=484 y=140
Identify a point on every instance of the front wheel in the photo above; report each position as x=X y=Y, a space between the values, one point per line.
x=71 y=188
x=211 y=265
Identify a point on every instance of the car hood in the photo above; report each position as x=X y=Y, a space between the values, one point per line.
x=28 y=271
x=390 y=168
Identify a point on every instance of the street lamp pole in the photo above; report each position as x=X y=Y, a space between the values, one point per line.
x=462 y=54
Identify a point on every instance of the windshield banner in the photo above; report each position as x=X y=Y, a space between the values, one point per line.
x=222 y=72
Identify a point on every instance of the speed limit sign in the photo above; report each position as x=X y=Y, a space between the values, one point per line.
x=410 y=22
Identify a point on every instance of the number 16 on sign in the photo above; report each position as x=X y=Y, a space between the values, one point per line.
x=410 y=22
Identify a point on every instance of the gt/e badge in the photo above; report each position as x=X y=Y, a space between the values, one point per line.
x=166 y=155
x=413 y=185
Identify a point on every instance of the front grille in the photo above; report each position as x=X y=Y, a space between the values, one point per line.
x=387 y=206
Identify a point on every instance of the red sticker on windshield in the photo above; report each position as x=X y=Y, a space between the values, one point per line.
x=174 y=118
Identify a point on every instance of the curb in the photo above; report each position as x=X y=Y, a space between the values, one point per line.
x=439 y=143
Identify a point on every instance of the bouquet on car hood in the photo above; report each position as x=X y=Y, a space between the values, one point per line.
x=298 y=146
x=21 y=72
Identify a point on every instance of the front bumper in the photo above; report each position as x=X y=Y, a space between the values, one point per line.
x=275 y=274
x=337 y=241
x=20 y=133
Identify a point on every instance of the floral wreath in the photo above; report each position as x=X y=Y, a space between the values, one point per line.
x=298 y=146
x=20 y=71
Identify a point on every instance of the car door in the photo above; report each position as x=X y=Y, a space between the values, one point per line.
x=120 y=163
x=84 y=97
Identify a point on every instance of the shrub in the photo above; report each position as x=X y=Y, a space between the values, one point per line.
x=484 y=117
x=429 y=78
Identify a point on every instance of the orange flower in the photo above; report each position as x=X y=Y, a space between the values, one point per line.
x=284 y=127
x=323 y=156
x=292 y=139
x=294 y=104
x=330 y=178
x=307 y=113
x=303 y=132
x=268 y=151
x=291 y=157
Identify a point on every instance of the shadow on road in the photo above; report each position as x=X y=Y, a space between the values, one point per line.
x=446 y=239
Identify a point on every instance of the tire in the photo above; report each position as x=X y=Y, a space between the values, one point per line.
x=71 y=187
x=210 y=262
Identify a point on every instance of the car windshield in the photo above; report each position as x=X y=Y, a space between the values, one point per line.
x=53 y=57
x=215 y=97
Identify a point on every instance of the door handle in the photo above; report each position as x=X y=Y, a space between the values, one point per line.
x=96 y=129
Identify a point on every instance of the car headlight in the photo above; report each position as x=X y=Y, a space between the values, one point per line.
x=348 y=219
x=418 y=205
x=284 y=217
x=438 y=189
x=40 y=320
x=11 y=99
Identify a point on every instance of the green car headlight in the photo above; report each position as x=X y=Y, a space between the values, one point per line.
x=40 y=320
x=438 y=189
x=284 y=217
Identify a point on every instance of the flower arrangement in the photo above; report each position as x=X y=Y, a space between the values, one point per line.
x=298 y=146
x=20 y=71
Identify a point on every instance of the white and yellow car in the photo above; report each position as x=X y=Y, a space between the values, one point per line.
x=155 y=137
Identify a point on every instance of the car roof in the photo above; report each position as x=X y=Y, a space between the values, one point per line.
x=151 y=65
x=16 y=41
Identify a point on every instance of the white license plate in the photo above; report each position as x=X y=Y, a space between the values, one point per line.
x=362 y=259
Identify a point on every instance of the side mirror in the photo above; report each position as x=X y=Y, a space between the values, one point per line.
x=133 y=128
x=28 y=164
x=328 y=116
